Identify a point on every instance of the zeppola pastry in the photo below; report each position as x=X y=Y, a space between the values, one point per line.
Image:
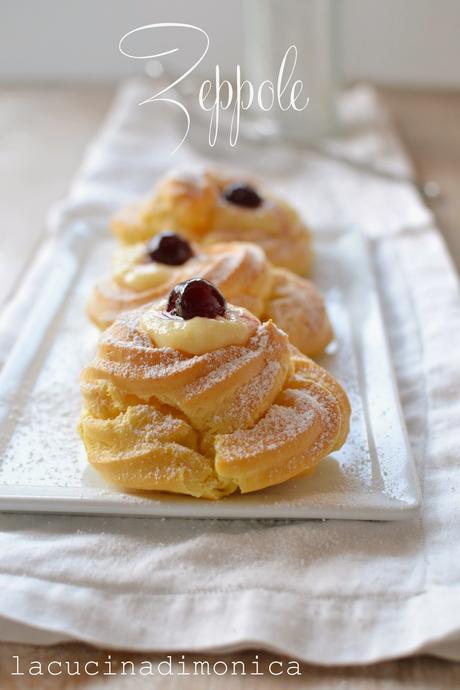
x=211 y=207
x=199 y=397
x=147 y=271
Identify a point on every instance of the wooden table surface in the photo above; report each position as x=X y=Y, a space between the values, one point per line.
x=42 y=132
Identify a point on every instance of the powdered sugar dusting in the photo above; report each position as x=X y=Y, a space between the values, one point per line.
x=39 y=445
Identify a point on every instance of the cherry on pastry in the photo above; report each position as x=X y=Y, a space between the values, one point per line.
x=169 y=248
x=196 y=297
x=242 y=194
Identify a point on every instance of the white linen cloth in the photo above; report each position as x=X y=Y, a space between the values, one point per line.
x=325 y=592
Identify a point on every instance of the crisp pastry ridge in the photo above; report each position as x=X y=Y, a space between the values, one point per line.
x=242 y=273
x=240 y=417
x=194 y=205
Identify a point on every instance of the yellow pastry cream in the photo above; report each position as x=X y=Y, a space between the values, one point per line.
x=143 y=276
x=199 y=335
x=142 y=267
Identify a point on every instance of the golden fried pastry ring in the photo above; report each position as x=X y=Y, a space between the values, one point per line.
x=196 y=206
x=240 y=271
x=239 y=417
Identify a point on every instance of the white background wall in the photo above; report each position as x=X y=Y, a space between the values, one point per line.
x=390 y=41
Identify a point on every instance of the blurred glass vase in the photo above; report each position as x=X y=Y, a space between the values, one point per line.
x=271 y=28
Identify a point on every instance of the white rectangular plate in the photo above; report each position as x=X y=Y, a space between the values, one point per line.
x=43 y=468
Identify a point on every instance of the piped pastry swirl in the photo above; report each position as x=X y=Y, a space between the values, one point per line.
x=244 y=415
x=239 y=270
x=210 y=206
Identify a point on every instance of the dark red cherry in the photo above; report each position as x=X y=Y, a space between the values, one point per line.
x=242 y=194
x=196 y=297
x=169 y=248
